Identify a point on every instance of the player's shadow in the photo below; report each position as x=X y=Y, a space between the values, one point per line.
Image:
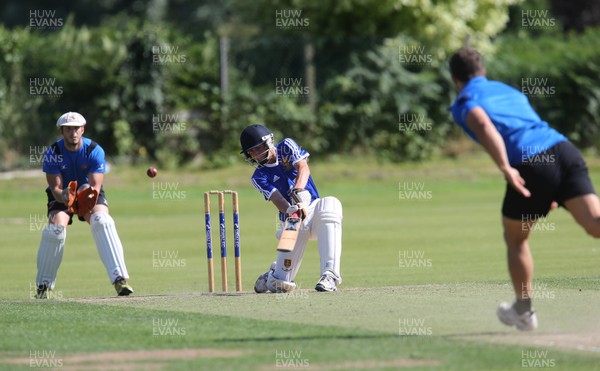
x=357 y=337
x=315 y=337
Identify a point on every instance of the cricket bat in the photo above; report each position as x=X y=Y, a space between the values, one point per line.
x=291 y=228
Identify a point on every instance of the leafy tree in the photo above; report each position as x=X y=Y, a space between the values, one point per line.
x=562 y=86
x=577 y=14
x=385 y=107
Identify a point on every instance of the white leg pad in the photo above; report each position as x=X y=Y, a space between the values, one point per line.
x=288 y=263
x=50 y=254
x=327 y=225
x=108 y=245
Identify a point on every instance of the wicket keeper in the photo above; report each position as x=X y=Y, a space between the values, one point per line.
x=77 y=159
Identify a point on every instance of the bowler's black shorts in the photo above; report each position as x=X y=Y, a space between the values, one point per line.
x=54 y=205
x=557 y=174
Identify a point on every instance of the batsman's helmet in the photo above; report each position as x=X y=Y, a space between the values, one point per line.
x=254 y=136
x=70 y=119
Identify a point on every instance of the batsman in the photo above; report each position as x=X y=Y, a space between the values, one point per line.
x=283 y=177
x=75 y=167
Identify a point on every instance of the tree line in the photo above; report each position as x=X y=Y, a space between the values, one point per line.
x=175 y=81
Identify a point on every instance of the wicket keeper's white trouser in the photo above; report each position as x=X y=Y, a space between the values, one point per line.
x=323 y=223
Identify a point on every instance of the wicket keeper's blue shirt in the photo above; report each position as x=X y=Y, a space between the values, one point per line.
x=282 y=175
x=523 y=131
x=74 y=165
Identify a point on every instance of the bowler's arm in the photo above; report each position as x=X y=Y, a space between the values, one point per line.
x=488 y=136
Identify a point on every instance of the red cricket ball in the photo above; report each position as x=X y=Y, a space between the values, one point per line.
x=151 y=172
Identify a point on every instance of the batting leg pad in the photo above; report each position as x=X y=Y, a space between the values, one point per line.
x=288 y=264
x=108 y=245
x=327 y=226
x=50 y=254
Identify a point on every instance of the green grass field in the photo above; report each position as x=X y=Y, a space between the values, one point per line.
x=422 y=279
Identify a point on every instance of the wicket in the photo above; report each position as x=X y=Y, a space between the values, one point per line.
x=223 y=240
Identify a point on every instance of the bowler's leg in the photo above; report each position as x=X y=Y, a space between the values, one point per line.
x=586 y=212
x=520 y=266
x=520 y=261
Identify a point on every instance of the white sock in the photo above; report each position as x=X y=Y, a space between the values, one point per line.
x=108 y=245
x=50 y=254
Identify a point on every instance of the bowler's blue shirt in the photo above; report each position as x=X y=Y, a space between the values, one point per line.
x=74 y=165
x=282 y=175
x=523 y=131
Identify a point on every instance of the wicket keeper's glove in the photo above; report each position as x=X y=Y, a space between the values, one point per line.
x=69 y=196
x=86 y=199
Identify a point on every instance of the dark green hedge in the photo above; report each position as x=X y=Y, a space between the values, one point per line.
x=561 y=75
x=165 y=104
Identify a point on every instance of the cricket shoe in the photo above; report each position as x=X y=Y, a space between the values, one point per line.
x=278 y=286
x=42 y=291
x=123 y=289
x=328 y=282
x=508 y=315
x=260 y=286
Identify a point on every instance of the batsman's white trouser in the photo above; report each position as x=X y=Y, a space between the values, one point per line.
x=50 y=254
x=108 y=245
x=323 y=223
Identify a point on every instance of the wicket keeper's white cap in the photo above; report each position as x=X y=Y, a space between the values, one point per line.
x=70 y=119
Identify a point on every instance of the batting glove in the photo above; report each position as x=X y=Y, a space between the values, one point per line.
x=301 y=196
x=297 y=208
